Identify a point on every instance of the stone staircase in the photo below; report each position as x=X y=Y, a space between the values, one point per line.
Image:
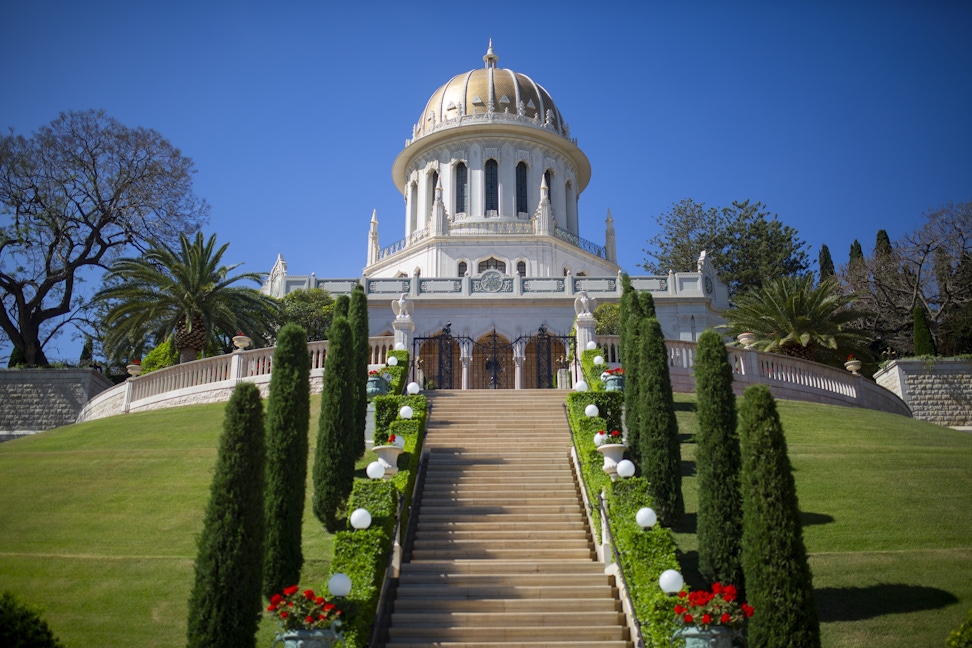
x=502 y=555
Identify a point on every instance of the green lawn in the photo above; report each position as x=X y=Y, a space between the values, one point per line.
x=97 y=523
x=887 y=513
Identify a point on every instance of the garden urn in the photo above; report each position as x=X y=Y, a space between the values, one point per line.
x=613 y=453
x=388 y=458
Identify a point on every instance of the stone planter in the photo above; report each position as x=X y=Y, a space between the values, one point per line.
x=388 y=458
x=853 y=366
x=614 y=383
x=376 y=387
x=241 y=341
x=308 y=639
x=613 y=453
x=746 y=339
x=134 y=370
x=711 y=637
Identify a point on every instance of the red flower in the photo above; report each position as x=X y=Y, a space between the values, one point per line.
x=309 y=594
x=747 y=609
x=717 y=588
x=271 y=608
x=679 y=609
x=706 y=619
x=725 y=618
x=275 y=599
x=615 y=433
x=391 y=438
x=284 y=615
x=291 y=590
x=682 y=594
x=309 y=619
x=729 y=593
x=687 y=618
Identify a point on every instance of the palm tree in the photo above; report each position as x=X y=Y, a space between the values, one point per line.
x=185 y=291
x=790 y=315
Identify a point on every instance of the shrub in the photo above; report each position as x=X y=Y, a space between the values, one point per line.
x=924 y=342
x=398 y=373
x=162 y=356
x=779 y=582
x=592 y=372
x=659 y=448
x=961 y=637
x=21 y=626
x=645 y=554
x=717 y=465
x=288 y=420
x=334 y=458
x=225 y=605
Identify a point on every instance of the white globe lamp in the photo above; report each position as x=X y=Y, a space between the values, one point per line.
x=580 y=386
x=413 y=388
x=406 y=412
x=339 y=585
x=391 y=361
x=591 y=345
x=625 y=468
x=591 y=411
x=598 y=360
x=646 y=518
x=360 y=518
x=600 y=438
x=399 y=346
x=671 y=581
x=375 y=470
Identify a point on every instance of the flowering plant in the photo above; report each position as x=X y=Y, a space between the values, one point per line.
x=850 y=357
x=136 y=362
x=718 y=607
x=297 y=610
x=614 y=436
x=374 y=373
x=617 y=371
x=240 y=334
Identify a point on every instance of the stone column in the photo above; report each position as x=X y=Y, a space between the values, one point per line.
x=519 y=355
x=586 y=331
x=403 y=332
x=465 y=358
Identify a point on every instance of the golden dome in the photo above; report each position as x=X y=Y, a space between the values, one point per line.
x=490 y=92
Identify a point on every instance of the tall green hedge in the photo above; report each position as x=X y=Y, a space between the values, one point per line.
x=225 y=604
x=592 y=372
x=717 y=464
x=778 y=578
x=358 y=318
x=659 y=447
x=288 y=421
x=399 y=372
x=334 y=457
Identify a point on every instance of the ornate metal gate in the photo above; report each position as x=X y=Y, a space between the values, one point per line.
x=491 y=360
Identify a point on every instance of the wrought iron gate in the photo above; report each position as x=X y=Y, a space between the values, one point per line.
x=491 y=359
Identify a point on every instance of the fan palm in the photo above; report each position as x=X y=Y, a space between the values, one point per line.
x=184 y=291
x=792 y=316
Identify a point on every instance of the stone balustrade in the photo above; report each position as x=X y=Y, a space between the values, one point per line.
x=788 y=378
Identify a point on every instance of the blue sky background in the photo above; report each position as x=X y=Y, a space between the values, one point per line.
x=843 y=118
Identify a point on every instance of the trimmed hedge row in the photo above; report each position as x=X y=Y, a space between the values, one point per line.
x=644 y=554
x=592 y=373
x=363 y=554
x=399 y=372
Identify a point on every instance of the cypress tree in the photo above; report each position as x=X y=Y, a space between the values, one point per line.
x=288 y=419
x=633 y=368
x=647 y=303
x=826 y=264
x=717 y=465
x=341 y=307
x=629 y=308
x=778 y=579
x=660 y=452
x=924 y=342
x=882 y=244
x=358 y=319
x=334 y=456
x=225 y=604
x=856 y=252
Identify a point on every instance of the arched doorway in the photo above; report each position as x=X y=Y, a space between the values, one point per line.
x=492 y=363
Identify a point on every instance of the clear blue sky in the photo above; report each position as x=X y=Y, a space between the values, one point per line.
x=843 y=118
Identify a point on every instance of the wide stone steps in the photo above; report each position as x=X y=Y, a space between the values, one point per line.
x=502 y=554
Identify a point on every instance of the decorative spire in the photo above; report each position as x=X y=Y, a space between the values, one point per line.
x=490 y=58
x=373 y=239
x=610 y=239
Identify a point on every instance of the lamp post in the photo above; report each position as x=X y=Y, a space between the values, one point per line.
x=646 y=518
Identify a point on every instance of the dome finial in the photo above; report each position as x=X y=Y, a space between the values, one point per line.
x=490 y=58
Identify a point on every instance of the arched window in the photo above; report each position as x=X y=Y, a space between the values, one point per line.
x=462 y=186
x=521 y=268
x=521 y=188
x=430 y=197
x=412 y=208
x=492 y=263
x=546 y=177
x=492 y=186
x=463 y=268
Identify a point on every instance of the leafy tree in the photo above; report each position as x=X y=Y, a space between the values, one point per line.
x=185 y=291
x=225 y=604
x=826 y=264
x=87 y=352
x=758 y=247
x=334 y=456
x=75 y=195
x=924 y=343
x=288 y=418
x=778 y=579
x=717 y=463
x=162 y=356
x=744 y=243
x=311 y=309
x=659 y=449
x=21 y=626
x=358 y=319
x=686 y=230
x=608 y=318
x=792 y=316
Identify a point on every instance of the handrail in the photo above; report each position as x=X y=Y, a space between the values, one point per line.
x=606 y=522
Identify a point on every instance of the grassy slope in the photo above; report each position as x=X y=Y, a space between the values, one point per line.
x=97 y=523
x=887 y=512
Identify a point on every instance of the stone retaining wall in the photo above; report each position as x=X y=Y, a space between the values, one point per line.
x=34 y=400
x=937 y=390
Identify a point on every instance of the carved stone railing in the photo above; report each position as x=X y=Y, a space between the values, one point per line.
x=493 y=116
x=490 y=227
x=398 y=246
x=787 y=377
